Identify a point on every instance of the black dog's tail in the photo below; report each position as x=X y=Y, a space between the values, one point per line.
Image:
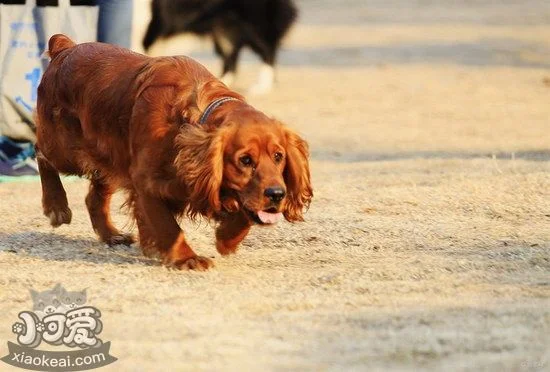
x=283 y=15
x=154 y=28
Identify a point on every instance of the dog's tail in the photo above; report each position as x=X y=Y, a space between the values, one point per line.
x=57 y=44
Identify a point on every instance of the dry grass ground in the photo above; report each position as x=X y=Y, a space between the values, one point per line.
x=428 y=241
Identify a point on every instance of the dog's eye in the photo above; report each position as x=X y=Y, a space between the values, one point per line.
x=278 y=157
x=246 y=160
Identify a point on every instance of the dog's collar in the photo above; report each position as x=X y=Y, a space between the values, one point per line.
x=214 y=105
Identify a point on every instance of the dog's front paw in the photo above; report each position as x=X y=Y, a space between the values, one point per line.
x=228 y=78
x=124 y=239
x=226 y=248
x=59 y=216
x=265 y=81
x=197 y=263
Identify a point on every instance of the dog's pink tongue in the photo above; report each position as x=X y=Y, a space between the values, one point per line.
x=267 y=217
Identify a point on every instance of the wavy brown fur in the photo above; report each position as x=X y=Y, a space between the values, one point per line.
x=129 y=121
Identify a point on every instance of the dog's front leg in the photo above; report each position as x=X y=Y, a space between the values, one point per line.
x=159 y=231
x=231 y=231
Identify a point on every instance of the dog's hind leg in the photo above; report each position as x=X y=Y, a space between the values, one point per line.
x=54 y=197
x=98 y=201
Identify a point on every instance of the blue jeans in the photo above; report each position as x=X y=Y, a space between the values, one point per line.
x=115 y=22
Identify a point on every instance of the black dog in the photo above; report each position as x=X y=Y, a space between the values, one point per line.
x=233 y=24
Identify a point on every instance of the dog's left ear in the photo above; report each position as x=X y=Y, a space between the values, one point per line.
x=297 y=177
x=199 y=163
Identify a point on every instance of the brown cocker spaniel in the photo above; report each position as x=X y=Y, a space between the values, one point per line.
x=174 y=137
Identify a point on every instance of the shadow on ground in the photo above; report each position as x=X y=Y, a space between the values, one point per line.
x=356 y=157
x=50 y=246
x=483 y=52
x=430 y=337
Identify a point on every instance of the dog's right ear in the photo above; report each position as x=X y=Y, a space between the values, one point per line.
x=199 y=163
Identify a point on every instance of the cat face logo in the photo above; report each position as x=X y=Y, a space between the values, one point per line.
x=59 y=317
x=55 y=300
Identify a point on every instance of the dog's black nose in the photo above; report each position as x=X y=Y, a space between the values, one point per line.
x=275 y=194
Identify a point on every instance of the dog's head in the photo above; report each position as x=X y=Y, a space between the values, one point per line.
x=250 y=163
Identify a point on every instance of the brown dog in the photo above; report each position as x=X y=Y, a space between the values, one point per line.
x=172 y=135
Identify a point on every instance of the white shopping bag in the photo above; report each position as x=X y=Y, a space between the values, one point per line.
x=24 y=34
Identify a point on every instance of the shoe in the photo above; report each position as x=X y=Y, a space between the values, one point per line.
x=22 y=164
x=19 y=167
x=10 y=149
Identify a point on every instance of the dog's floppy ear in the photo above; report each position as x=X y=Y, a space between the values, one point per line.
x=297 y=177
x=199 y=163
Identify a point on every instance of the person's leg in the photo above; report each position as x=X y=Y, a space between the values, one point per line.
x=115 y=22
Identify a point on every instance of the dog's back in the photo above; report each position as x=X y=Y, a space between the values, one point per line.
x=89 y=95
x=79 y=79
x=266 y=19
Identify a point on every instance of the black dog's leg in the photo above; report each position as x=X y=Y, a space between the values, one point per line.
x=266 y=77
x=230 y=55
x=154 y=28
x=230 y=61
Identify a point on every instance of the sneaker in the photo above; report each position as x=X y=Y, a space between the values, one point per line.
x=22 y=164
x=16 y=168
x=10 y=149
